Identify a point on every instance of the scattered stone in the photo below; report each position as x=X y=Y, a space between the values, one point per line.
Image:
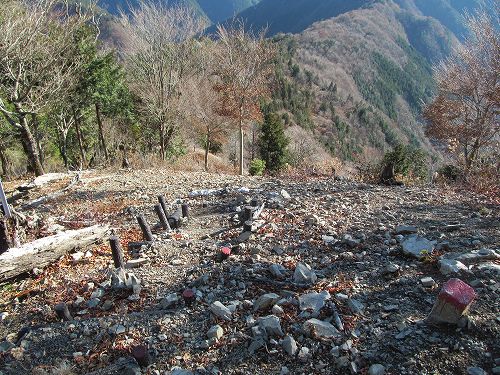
x=405 y=229
x=221 y=311
x=453 y=302
x=289 y=345
x=356 y=306
x=304 y=354
x=271 y=325
x=376 y=369
x=265 y=301
x=277 y=310
x=170 y=300
x=449 y=266
x=216 y=332
x=136 y=263
x=277 y=270
x=313 y=301
x=321 y=329
x=417 y=246
x=304 y=274
x=428 y=282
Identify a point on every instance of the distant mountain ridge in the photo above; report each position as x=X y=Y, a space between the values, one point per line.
x=213 y=10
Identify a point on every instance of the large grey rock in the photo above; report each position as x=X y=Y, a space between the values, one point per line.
x=449 y=266
x=478 y=256
x=289 y=345
x=417 y=246
x=221 y=311
x=271 y=325
x=304 y=274
x=476 y=371
x=277 y=270
x=313 y=301
x=319 y=328
x=265 y=301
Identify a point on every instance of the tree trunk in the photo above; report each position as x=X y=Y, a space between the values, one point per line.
x=39 y=148
x=241 y=142
x=80 y=139
x=162 y=140
x=5 y=162
x=207 y=149
x=101 y=132
x=5 y=243
x=30 y=147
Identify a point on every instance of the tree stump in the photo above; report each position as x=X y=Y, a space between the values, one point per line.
x=175 y=219
x=185 y=210
x=388 y=177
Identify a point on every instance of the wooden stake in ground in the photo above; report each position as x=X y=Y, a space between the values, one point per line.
x=62 y=311
x=146 y=230
x=117 y=251
x=3 y=201
x=163 y=203
x=185 y=210
x=161 y=216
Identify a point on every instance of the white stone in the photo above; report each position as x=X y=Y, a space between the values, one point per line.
x=319 y=328
x=313 y=301
x=304 y=274
x=376 y=369
x=417 y=246
x=449 y=266
x=221 y=311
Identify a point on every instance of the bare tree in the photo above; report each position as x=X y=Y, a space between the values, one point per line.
x=158 y=49
x=465 y=112
x=245 y=68
x=203 y=100
x=38 y=62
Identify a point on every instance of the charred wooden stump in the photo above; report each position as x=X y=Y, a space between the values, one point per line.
x=146 y=230
x=117 y=252
x=247 y=213
x=247 y=226
x=161 y=216
x=254 y=202
x=141 y=355
x=163 y=204
x=185 y=210
x=175 y=219
x=62 y=311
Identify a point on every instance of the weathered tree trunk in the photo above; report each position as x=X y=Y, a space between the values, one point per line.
x=42 y=252
x=5 y=242
x=207 y=148
x=162 y=141
x=80 y=139
x=241 y=141
x=39 y=148
x=101 y=131
x=30 y=147
x=5 y=162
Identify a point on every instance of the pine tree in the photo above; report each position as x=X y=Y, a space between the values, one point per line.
x=273 y=142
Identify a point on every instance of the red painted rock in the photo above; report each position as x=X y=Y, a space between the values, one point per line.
x=225 y=252
x=453 y=302
x=189 y=296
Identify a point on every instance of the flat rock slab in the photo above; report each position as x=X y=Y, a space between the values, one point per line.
x=417 y=246
x=321 y=329
x=313 y=301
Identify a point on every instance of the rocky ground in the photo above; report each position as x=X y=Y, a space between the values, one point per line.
x=328 y=283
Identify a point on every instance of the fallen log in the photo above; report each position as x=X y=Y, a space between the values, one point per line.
x=42 y=200
x=44 y=251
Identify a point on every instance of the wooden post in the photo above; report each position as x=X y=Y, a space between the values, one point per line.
x=185 y=210
x=161 y=215
x=117 y=251
x=163 y=203
x=146 y=230
x=247 y=226
x=62 y=311
x=254 y=202
x=247 y=213
x=175 y=218
x=141 y=355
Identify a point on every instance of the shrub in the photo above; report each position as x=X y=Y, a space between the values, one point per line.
x=408 y=161
x=257 y=167
x=450 y=172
